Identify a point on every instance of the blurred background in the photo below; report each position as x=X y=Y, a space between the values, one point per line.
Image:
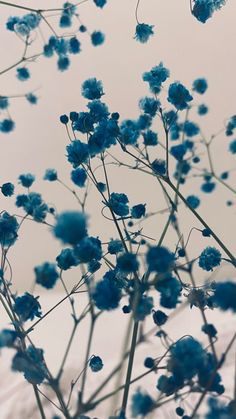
x=189 y=50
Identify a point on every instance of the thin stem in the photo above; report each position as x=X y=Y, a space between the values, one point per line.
x=39 y=403
x=130 y=367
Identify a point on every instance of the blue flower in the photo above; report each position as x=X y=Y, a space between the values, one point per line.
x=143 y=32
x=190 y=128
x=200 y=86
x=217 y=409
x=232 y=147
x=202 y=110
x=92 y=89
x=107 y=294
x=150 y=138
x=97 y=38
x=127 y=262
x=71 y=227
x=115 y=246
x=160 y=259
x=141 y=404
x=7 y=338
x=27 y=307
x=225 y=295
x=50 y=175
x=33 y=205
x=77 y=153
x=4 y=102
x=66 y=259
x=100 y=3
x=118 y=202
x=84 y=123
x=31 y=363
x=64 y=119
x=193 y=201
x=210 y=330
x=88 y=249
x=21 y=28
x=65 y=21
x=155 y=77
x=209 y=258
x=129 y=132
x=159 y=167
x=96 y=363
x=63 y=62
x=208 y=187
x=11 y=22
x=46 y=275
x=32 y=99
x=179 y=96
x=143 y=308
x=170 y=290
x=32 y=20
x=138 y=211
x=149 y=105
x=178 y=151
x=26 y=180
x=8 y=229
x=159 y=317
x=74 y=45
x=203 y=10
x=144 y=122
x=7 y=125
x=23 y=73
x=98 y=110
x=7 y=189
x=79 y=177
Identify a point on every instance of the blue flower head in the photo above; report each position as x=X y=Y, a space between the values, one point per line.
x=193 y=201
x=23 y=74
x=170 y=291
x=107 y=294
x=8 y=229
x=33 y=205
x=127 y=262
x=190 y=128
x=179 y=96
x=232 y=147
x=209 y=258
x=160 y=259
x=78 y=153
x=79 y=177
x=202 y=110
x=98 y=110
x=97 y=38
x=7 y=338
x=149 y=105
x=96 y=363
x=225 y=295
x=159 y=317
x=129 y=132
x=66 y=259
x=31 y=363
x=141 y=404
x=119 y=204
x=74 y=45
x=63 y=63
x=7 y=189
x=200 y=86
x=138 y=211
x=71 y=227
x=46 y=275
x=203 y=10
x=31 y=98
x=100 y=3
x=150 y=138
x=7 y=125
x=155 y=77
x=4 y=102
x=88 y=249
x=143 y=32
x=92 y=89
x=50 y=175
x=159 y=167
x=115 y=246
x=27 y=307
x=27 y=180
